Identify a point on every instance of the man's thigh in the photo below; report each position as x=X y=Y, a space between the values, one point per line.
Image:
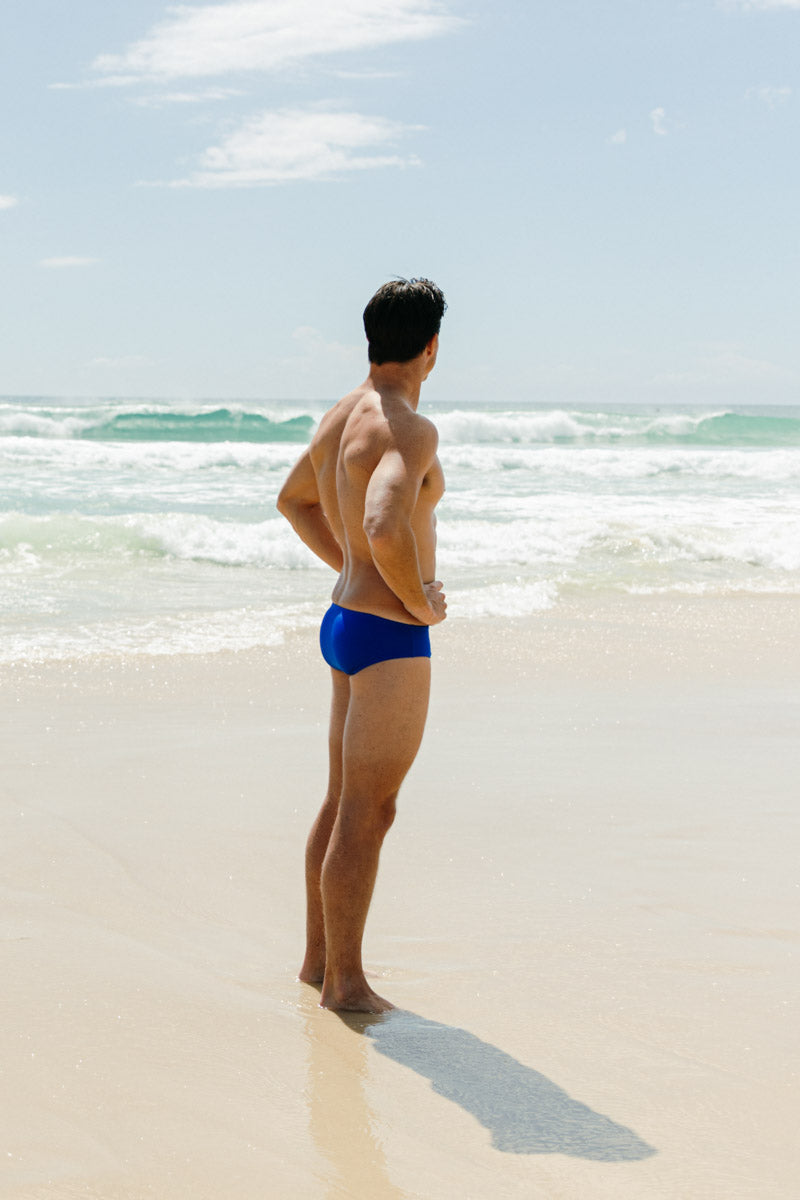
x=340 y=702
x=385 y=721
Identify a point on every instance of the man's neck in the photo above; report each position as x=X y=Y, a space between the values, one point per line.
x=397 y=381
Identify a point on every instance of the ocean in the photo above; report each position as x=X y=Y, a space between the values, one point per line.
x=150 y=528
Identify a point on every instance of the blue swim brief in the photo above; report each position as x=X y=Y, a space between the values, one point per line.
x=351 y=641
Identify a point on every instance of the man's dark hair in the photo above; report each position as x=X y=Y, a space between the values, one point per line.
x=401 y=318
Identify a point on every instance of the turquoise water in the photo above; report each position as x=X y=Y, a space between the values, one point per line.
x=146 y=527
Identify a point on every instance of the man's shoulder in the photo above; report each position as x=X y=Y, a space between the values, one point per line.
x=334 y=420
x=342 y=409
x=364 y=420
x=409 y=438
x=419 y=431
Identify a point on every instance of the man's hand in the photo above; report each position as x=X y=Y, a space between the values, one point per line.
x=435 y=596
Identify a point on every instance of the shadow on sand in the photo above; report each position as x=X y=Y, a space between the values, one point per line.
x=525 y=1112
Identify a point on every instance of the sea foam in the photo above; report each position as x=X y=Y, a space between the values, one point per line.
x=147 y=527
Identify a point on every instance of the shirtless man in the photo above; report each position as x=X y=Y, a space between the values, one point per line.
x=362 y=498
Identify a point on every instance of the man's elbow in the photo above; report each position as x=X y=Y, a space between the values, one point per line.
x=381 y=530
x=287 y=505
x=294 y=507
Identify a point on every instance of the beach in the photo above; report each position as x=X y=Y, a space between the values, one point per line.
x=581 y=444
x=586 y=915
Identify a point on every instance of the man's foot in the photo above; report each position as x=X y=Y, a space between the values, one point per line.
x=353 y=996
x=312 y=971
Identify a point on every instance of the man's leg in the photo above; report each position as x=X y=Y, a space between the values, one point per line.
x=382 y=733
x=313 y=968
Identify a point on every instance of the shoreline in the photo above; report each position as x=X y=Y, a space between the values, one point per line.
x=586 y=914
x=674 y=632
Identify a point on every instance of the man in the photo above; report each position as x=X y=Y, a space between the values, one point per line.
x=362 y=498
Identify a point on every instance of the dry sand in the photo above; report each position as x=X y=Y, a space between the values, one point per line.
x=587 y=913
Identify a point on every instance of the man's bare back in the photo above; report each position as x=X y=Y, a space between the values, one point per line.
x=355 y=454
x=363 y=497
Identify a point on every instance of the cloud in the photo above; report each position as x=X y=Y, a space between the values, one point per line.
x=8 y=202
x=194 y=42
x=619 y=138
x=115 y=82
x=315 y=357
x=725 y=365
x=366 y=73
x=69 y=260
x=202 y=96
x=299 y=144
x=267 y=35
x=773 y=97
x=126 y=360
x=156 y=100
x=759 y=5
x=659 y=118
x=313 y=344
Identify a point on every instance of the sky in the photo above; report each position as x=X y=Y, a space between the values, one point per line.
x=197 y=200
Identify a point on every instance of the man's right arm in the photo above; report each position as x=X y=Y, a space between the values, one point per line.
x=390 y=500
x=299 y=502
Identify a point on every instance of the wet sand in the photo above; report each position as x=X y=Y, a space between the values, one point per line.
x=587 y=913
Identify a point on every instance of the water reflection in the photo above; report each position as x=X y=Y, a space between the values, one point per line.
x=343 y=1126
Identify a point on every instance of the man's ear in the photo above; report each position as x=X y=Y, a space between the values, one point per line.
x=430 y=352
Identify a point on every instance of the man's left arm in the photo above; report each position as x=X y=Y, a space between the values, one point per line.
x=299 y=502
